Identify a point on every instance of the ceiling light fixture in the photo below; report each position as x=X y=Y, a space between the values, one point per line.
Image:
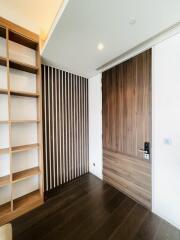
x=100 y=46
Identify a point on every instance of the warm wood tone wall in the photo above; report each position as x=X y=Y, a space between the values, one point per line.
x=127 y=125
x=65 y=114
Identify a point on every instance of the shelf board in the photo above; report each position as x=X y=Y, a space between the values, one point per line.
x=3 y=91
x=5 y=209
x=4 y=121
x=24 y=121
x=18 y=121
x=3 y=61
x=4 y=150
x=18 y=38
x=4 y=180
x=28 y=201
x=24 y=94
x=23 y=148
x=23 y=66
x=18 y=176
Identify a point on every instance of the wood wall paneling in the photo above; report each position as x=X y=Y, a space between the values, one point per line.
x=65 y=110
x=126 y=91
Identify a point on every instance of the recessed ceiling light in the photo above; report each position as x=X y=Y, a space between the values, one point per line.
x=132 y=21
x=100 y=46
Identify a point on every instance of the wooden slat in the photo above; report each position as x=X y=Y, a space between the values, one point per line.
x=63 y=127
x=65 y=111
x=18 y=176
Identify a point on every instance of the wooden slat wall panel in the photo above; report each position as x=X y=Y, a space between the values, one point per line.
x=65 y=114
x=126 y=90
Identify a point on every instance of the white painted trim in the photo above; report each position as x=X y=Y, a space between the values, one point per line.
x=56 y=20
x=170 y=31
x=153 y=137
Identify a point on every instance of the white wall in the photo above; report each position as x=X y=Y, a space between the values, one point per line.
x=166 y=129
x=95 y=126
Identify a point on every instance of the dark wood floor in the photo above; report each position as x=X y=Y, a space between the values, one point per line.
x=87 y=208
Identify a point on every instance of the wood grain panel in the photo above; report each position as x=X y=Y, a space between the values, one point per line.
x=65 y=114
x=132 y=176
x=126 y=91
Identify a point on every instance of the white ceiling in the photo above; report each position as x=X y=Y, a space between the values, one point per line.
x=84 y=23
x=35 y=15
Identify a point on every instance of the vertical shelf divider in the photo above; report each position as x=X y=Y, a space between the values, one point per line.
x=9 y=113
x=39 y=117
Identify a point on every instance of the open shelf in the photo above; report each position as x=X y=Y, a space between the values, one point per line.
x=25 y=174
x=28 y=201
x=18 y=38
x=3 y=61
x=4 y=121
x=24 y=148
x=5 y=209
x=3 y=91
x=21 y=152
x=2 y=32
x=24 y=94
x=4 y=180
x=4 y=150
x=23 y=66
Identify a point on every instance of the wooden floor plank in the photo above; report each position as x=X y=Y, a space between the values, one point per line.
x=114 y=221
x=131 y=225
x=89 y=209
x=57 y=218
x=149 y=228
x=167 y=232
x=96 y=217
x=63 y=198
x=77 y=214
